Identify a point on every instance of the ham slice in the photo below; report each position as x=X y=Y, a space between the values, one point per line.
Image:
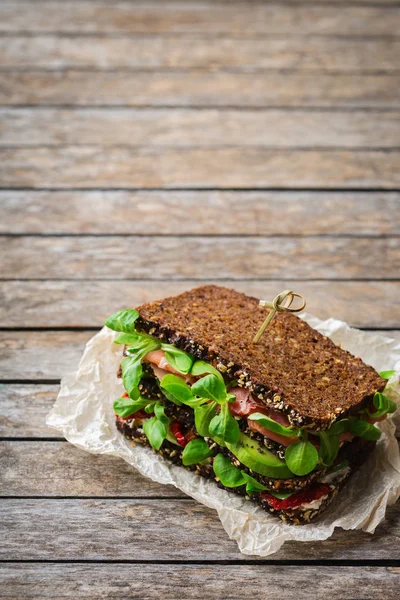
x=160 y=373
x=271 y=435
x=240 y=407
x=245 y=405
x=157 y=357
x=161 y=366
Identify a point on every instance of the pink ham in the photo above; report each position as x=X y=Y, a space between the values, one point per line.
x=245 y=405
x=161 y=366
x=157 y=357
x=160 y=373
x=240 y=407
x=280 y=439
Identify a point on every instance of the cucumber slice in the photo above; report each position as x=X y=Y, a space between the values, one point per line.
x=257 y=458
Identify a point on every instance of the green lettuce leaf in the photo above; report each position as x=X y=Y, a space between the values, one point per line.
x=203 y=415
x=123 y=320
x=272 y=425
x=224 y=426
x=301 y=457
x=200 y=367
x=228 y=475
x=178 y=389
x=211 y=388
x=124 y=407
x=195 y=452
x=178 y=359
x=387 y=374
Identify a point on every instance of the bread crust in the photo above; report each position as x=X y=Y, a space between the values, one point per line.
x=293 y=368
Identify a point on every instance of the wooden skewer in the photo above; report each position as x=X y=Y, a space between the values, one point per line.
x=277 y=305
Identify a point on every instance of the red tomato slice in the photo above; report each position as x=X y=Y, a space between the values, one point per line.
x=315 y=492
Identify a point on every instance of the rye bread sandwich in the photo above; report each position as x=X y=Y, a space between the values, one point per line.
x=285 y=421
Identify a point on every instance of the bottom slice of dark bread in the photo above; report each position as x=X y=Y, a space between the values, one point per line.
x=360 y=450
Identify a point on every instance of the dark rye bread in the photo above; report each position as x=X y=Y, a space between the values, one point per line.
x=293 y=368
x=356 y=455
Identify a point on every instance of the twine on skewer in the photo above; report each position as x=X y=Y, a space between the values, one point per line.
x=277 y=305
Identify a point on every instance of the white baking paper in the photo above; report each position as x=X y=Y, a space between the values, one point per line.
x=83 y=413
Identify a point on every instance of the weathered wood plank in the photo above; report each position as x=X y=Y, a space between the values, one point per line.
x=23 y=410
x=204 y=17
x=67 y=529
x=220 y=167
x=197 y=88
x=60 y=469
x=208 y=52
x=84 y=304
x=151 y=582
x=40 y=355
x=37 y=355
x=150 y=257
x=229 y=212
x=191 y=127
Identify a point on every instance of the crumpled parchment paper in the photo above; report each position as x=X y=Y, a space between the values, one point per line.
x=83 y=413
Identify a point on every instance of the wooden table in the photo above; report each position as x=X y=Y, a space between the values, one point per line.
x=147 y=147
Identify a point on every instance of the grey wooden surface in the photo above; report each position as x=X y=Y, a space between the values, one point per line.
x=146 y=147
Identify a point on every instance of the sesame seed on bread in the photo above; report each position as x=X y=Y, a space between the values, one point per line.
x=293 y=368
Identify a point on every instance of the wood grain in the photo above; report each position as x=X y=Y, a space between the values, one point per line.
x=150 y=582
x=197 y=88
x=84 y=303
x=60 y=469
x=191 y=127
x=223 y=167
x=67 y=529
x=229 y=212
x=23 y=410
x=150 y=257
x=205 y=17
x=185 y=94
x=40 y=355
x=209 y=52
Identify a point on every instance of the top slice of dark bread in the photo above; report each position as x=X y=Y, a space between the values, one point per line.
x=293 y=368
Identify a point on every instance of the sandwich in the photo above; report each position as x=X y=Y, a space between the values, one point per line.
x=284 y=422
